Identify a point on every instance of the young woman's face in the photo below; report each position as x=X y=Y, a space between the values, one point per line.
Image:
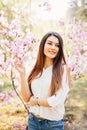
x=51 y=47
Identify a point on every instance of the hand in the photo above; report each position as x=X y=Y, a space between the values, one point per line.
x=32 y=101
x=18 y=65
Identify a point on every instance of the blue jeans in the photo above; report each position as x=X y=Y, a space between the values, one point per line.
x=35 y=123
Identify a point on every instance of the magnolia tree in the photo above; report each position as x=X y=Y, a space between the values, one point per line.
x=16 y=40
x=74 y=33
x=75 y=39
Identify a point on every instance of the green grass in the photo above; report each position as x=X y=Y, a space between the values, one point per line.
x=7 y=86
x=76 y=105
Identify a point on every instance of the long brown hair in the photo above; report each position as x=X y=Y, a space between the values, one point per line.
x=59 y=60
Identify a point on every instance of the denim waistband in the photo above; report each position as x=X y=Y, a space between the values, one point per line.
x=41 y=119
x=38 y=118
x=44 y=124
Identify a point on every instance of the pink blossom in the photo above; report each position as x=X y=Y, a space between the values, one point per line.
x=3 y=31
x=71 y=4
x=3 y=22
x=61 y=22
x=17 y=124
x=47 y=6
x=84 y=47
x=15 y=10
x=85 y=55
x=4 y=97
x=10 y=61
x=12 y=93
x=76 y=52
x=0 y=114
x=27 y=42
x=24 y=128
x=4 y=42
x=12 y=33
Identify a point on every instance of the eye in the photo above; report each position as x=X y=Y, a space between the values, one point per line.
x=49 y=43
x=57 y=45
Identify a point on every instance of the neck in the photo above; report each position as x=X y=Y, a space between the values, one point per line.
x=48 y=62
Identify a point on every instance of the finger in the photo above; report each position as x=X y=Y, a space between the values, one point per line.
x=17 y=62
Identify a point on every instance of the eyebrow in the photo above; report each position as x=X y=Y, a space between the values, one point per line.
x=51 y=41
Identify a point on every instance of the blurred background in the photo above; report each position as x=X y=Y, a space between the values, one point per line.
x=22 y=25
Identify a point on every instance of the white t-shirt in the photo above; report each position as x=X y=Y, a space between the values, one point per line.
x=40 y=88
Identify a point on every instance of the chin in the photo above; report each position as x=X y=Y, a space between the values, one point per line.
x=51 y=57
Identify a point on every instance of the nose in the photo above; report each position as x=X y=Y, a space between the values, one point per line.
x=53 y=47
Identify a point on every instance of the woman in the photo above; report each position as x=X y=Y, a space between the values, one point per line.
x=48 y=85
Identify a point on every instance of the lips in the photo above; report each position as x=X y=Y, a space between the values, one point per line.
x=52 y=52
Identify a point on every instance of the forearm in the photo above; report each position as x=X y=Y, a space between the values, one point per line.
x=25 y=92
x=52 y=101
x=43 y=102
x=38 y=101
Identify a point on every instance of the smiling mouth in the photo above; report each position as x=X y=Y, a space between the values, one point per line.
x=51 y=52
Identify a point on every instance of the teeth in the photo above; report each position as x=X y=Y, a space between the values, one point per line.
x=52 y=52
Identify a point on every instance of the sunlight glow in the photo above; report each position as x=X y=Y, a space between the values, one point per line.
x=57 y=10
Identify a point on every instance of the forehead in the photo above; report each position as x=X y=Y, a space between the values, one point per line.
x=53 y=39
